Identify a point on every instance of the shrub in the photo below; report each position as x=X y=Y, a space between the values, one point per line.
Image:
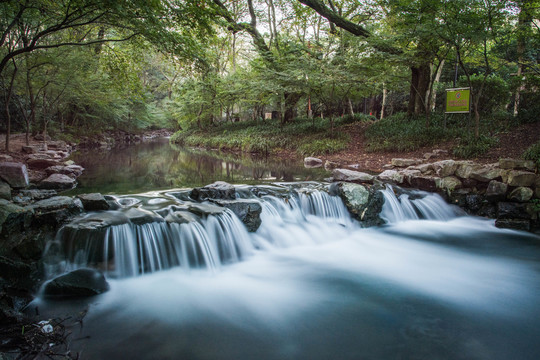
x=470 y=147
x=533 y=153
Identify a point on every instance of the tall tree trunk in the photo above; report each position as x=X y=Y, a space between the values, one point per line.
x=8 y=101
x=351 y=110
x=412 y=91
x=524 y=21
x=424 y=79
x=384 y=95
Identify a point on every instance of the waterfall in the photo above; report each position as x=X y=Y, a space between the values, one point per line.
x=126 y=250
x=122 y=245
x=423 y=205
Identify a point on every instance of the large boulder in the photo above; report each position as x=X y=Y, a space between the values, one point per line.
x=13 y=218
x=139 y=216
x=486 y=174
x=78 y=283
x=521 y=178
x=40 y=162
x=312 y=162
x=248 y=211
x=521 y=194
x=72 y=171
x=181 y=217
x=94 y=202
x=444 y=168
x=55 y=211
x=465 y=168
x=351 y=176
x=517 y=164
x=57 y=181
x=217 y=190
x=15 y=174
x=365 y=204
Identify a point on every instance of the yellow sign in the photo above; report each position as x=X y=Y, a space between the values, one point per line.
x=458 y=100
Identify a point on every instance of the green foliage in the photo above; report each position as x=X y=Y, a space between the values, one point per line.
x=470 y=147
x=399 y=133
x=533 y=153
x=495 y=94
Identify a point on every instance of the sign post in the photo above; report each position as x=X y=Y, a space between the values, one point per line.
x=457 y=101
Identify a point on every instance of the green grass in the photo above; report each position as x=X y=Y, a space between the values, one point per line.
x=306 y=136
x=470 y=147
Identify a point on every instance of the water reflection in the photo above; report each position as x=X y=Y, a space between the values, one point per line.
x=158 y=165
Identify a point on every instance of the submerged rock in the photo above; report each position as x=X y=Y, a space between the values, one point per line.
x=78 y=283
x=217 y=190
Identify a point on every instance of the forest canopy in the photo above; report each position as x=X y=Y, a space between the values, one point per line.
x=70 y=67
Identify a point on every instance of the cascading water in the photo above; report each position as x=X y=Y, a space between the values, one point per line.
x=310 y=283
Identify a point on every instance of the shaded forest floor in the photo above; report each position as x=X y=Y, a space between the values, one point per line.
x=511 y=144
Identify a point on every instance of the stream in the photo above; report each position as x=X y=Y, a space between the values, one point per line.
x=310 y=283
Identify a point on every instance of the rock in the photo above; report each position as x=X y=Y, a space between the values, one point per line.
x=13 y=218
x=331 y=165
x=427 y=183
x=57 y=181
x=139 y=216
x=69 y=162
x=203 y=209
x=55 y=211
x=36 y=195
x=448 y=183
x=311 y=162
x=521 y=194
x=516 y=224
x=513 y=164
x=521 y=178
x=465 y=168
x=409 y=174
x=97 y=221
x=16 y=272
x=351 y=176
x=41 y=163
x=94 y=202
x=5 y=191
x=15 y=174
x=405 y=162
x=58 y=144
x=72 y=171
x=391 y=176
x=217 y=190
x=511 y=210
x=485 y=174
x=36 y=176
x=444 y=168
x=248 y=211
x=78 y=283
x=40 y=137
x=30 y=149
x=424 y=168
x=473 y=202
x=181 y=217
x=363 y=203
x=6 y=158
x=496 y=191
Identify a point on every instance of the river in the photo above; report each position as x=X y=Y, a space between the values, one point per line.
x=310 y=283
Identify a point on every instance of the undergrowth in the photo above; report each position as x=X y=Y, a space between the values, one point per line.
x=308 y=137
x=533 y=153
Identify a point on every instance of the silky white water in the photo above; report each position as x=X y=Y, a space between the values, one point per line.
x=311 y=283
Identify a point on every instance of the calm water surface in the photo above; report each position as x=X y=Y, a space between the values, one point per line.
x=157 y=165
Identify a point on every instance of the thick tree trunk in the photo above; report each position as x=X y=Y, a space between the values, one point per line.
x=424 y=79
x=291 y=99
x=412 y=91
